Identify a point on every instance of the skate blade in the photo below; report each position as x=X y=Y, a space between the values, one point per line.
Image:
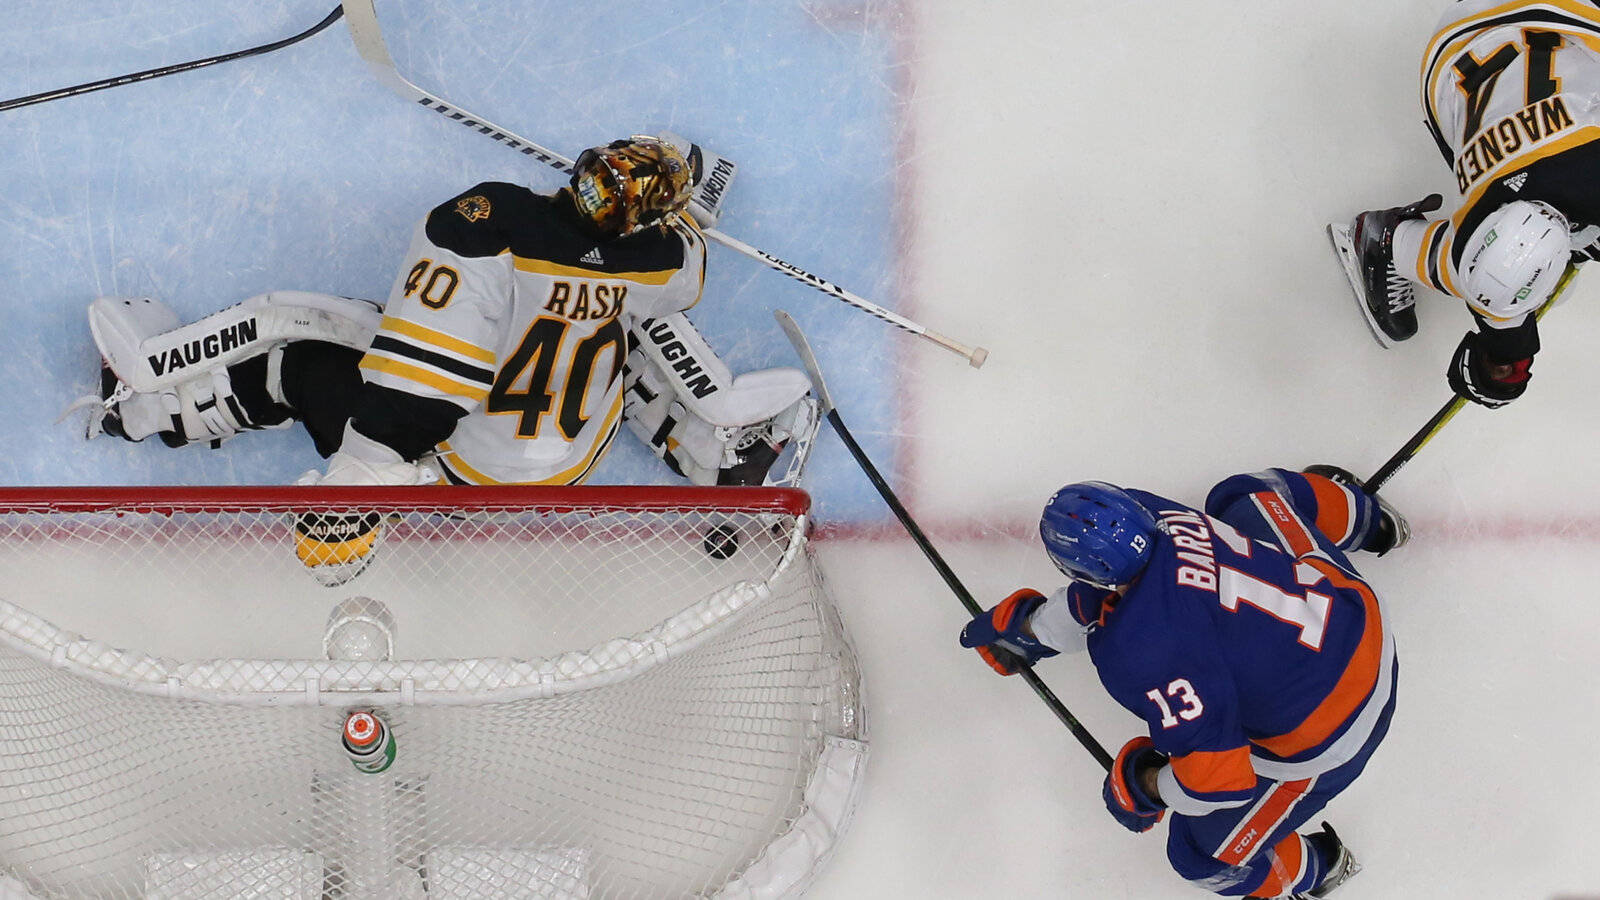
x=1345 y=248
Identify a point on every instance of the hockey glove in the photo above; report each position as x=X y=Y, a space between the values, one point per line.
x=1001 y=637
x=1125 y=799
x=1484 y=382
x=710 y=175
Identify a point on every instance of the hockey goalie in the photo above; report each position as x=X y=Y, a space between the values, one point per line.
x=521 y=331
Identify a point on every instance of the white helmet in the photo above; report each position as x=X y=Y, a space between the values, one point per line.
x=1514 y=259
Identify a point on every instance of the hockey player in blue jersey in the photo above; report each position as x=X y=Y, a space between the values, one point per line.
x=1247 y=641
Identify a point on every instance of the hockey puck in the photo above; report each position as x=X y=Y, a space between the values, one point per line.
x=721 y=542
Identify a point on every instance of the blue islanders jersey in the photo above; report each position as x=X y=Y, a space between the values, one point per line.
x=1250 y=645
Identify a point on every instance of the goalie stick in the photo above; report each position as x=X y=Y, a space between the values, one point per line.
x=368 y=36
x=809 y=360
x=1448 y=410
x=148 y=74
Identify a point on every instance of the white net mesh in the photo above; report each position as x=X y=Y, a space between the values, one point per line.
x=586 y=702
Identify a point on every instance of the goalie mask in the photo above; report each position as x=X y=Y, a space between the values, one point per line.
x=628 y=185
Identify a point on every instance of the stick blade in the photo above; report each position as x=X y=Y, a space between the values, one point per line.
x=802 y=347
x=362 y=20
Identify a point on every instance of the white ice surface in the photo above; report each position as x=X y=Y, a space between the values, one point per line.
x=1124 y=202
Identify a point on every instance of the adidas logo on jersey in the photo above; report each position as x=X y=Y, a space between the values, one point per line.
x=593 y=257
x=1516 y=181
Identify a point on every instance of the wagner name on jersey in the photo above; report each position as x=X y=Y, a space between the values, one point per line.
x=507 y=308
x=1505 y=85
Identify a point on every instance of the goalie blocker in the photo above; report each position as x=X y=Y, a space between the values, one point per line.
x=710 y=176
x=710 y=427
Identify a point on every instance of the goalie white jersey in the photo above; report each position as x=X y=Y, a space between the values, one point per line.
x=507 y=308
x=1506 y=85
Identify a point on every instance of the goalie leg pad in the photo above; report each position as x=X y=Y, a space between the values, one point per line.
x=178 y=381
x=711 y=428
x=709 y=454
x=205 y=408
x=143 y=345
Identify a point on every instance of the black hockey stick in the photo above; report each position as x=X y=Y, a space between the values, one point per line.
x=1447 y=411
x=803 y=348
x=1423 y=435
x=169 y=70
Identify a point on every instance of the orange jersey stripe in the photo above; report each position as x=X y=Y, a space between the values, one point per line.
x=1286 y=522
x=1333 y=508
x=1267 y=816
x=1215 y=771
x=1287 y=865
x=1354 y=686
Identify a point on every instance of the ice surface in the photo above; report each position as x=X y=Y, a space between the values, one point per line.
x=1124 y=202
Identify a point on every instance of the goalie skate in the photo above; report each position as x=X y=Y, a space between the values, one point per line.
x=1344 y=246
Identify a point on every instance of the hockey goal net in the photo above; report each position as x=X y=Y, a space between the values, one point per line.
x=593 y=692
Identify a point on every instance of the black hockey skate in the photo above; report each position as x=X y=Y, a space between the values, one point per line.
x=1343 y=868
x=1366 y=250
x=1393 y=529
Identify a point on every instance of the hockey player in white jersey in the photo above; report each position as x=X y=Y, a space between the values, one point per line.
x=522 y=330
x=1511 y=93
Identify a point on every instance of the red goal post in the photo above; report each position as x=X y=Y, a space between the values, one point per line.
x=189 y=498
x=594 y=691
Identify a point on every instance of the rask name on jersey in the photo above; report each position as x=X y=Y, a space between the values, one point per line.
x=580 y=302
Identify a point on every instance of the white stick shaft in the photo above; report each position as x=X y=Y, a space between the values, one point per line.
x=368 y=37
x=834 y=290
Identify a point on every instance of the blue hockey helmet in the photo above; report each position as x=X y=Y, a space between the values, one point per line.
x=1096 y=532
